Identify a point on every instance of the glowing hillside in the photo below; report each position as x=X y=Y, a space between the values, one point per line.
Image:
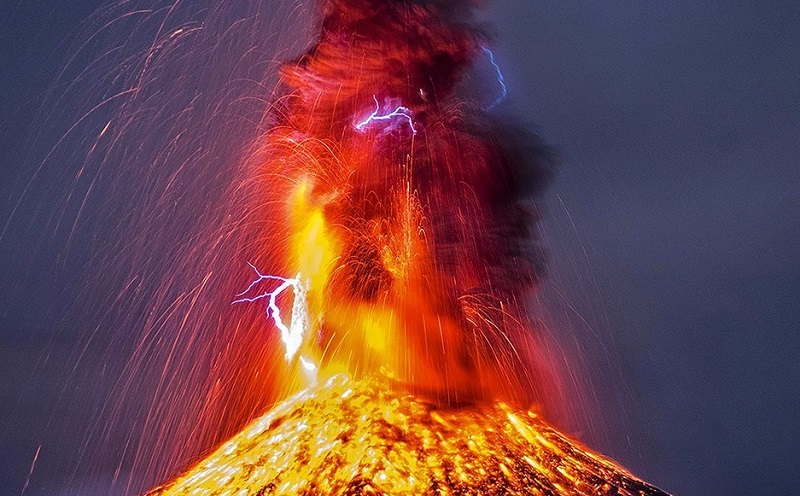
x=350 y=438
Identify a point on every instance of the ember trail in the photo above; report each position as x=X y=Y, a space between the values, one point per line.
x=406 y=235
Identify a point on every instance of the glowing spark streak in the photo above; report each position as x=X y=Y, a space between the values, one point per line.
x=500 y=79
x=398 y=112
x=30 y=473
x=291 y=336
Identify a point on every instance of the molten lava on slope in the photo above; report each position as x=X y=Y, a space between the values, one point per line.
x=364 y=437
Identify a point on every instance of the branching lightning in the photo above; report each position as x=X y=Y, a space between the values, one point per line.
x=292 y=335
x=400 y=111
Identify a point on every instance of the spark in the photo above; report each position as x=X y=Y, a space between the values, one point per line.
x=30 y=473
x=500 y=79
x=400 y=111
x=292 y=335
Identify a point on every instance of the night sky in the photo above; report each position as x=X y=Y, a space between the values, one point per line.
x=672 y=233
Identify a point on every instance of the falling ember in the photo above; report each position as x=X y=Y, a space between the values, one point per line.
x=405 y=248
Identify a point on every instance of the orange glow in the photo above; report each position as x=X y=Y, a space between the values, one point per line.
x=405 y=316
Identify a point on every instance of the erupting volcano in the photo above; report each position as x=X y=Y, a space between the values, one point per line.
x=395 y=254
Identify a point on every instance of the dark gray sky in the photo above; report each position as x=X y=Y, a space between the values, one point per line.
x=672 y=229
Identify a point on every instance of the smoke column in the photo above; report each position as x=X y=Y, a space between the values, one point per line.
x=423 y=248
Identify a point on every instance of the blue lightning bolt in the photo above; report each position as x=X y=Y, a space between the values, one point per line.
x=500 y=79
x=291 y=336
x=400 y=111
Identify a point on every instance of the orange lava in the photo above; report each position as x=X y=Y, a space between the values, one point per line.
x=364 y=437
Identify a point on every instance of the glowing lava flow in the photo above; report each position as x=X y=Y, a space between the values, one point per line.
x=355 y=438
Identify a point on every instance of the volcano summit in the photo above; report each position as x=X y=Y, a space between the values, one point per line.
x=363 y=437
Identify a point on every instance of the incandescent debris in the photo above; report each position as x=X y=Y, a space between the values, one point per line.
x=363 y=437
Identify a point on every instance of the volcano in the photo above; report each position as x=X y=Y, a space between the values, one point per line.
x=398 y=211
x=349 y=437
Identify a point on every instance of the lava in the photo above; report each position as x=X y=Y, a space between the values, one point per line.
x=366 y=437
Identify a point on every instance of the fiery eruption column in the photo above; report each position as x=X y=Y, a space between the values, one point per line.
x=396 y=251
x=404 y=206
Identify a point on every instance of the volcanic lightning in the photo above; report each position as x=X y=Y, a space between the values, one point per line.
x=500 y=80
x=292 y=336
x=400 y=111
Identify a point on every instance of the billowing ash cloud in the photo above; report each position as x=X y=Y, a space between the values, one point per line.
x=427 y=194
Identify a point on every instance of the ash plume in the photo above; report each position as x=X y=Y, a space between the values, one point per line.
x=432 y=205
